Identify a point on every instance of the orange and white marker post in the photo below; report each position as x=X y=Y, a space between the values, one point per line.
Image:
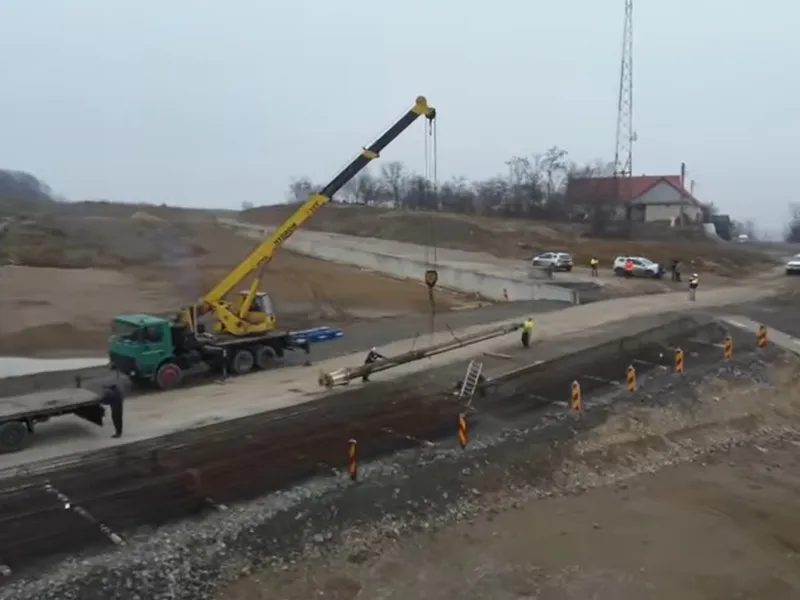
x=576 y=402
x=463 y=438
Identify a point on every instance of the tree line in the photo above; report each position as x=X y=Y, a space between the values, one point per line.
x=532 y=187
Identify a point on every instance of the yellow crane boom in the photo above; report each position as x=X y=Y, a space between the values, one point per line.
x=250 y=316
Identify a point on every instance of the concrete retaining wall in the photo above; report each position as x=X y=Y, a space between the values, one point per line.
x=488 y=285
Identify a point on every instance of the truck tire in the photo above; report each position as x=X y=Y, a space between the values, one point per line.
x=14 y=436
x=264 y=355
x=169 y=376
x=242 y=361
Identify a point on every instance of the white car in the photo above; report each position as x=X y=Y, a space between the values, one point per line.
x=559 y=261
x=793 y=266
x=642 y=267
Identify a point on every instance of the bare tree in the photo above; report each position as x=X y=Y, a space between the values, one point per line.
x=368 y=188
x=364 y=188
x=394 y=179
x=554 y=167
x=300 y=189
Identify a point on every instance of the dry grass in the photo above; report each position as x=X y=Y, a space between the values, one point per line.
x=68 y=274
x=514 y=238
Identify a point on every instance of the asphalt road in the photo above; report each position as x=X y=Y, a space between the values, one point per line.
x=358 y=336
x=782 y=314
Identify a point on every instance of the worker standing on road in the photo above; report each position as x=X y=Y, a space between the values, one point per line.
x=628 y=267
x=372 y=356
x=527 y=330
x=112 y=397
x=693 y=283
x=594 y=263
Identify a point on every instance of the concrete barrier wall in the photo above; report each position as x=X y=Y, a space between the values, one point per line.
x=407 y=261
x=493 y=287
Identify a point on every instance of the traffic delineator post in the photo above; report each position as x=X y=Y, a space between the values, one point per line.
x=727 y=347
x=352 y=459
x=761 y=336
x=462 y=431
x=630 y=378
x=576 y=402
x=679 y=361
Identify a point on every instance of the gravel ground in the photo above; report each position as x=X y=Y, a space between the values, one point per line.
x=274 y=541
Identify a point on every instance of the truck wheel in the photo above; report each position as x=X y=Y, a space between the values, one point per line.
x=263 y=355
x=169 y=376
x=14 y=436
x=242 y=362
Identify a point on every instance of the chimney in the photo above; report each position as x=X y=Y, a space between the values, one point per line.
x=683 y=175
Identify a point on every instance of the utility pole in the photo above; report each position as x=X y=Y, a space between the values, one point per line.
x=623 y=154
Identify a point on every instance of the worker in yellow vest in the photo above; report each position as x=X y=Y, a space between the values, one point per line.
x=594 y=263
x=527 y=330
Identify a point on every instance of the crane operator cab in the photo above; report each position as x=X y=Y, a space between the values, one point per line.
x=261 y=310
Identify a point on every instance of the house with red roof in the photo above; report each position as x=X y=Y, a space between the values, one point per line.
x=646 y=198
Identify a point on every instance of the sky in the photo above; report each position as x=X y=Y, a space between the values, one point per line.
x=213 y=104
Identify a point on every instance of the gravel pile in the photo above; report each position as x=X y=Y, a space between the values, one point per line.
x=419 y=490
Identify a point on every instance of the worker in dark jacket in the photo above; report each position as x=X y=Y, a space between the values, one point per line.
x=372 y=356
x=112 y=397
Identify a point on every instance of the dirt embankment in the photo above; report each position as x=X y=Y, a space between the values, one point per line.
x=65 y=273
x=514 y=238
x=690 y=498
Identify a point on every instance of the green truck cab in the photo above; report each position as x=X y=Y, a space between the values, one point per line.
x=142 y=347
x=157 y=351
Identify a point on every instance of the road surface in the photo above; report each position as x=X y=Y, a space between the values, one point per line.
x=158 y=414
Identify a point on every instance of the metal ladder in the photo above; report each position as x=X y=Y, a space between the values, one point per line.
x=471 y=380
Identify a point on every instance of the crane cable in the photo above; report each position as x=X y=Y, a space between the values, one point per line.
x=431 y=181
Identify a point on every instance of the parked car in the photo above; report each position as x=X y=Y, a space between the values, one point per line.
x=793 y=266
x=642 y=267
x=559 y=261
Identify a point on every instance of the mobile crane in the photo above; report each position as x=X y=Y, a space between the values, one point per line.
x=234 y=336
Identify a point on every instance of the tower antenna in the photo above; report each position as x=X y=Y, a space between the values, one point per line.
x=623 y=154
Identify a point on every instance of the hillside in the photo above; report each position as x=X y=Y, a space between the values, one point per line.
x=519 y=238
x=67 y=268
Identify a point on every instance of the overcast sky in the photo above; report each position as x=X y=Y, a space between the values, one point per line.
x=209 y=103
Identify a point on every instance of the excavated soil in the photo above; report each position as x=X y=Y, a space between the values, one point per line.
x=64 y=276
x=694 y=497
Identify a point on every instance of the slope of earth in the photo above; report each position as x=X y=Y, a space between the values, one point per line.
x=515 y=238
x=67 y=272
x=715 y=531
x=692 y=498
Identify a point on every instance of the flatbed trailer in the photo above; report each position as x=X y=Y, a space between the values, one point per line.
x=20 y=414
x=170 y=353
